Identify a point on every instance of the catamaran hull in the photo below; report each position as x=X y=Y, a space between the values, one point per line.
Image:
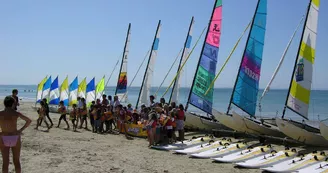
x=194 y=121
x=300 y=134
x=324 y=130
x=257 y=127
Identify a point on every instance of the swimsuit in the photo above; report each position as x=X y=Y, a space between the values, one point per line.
x=10 y=141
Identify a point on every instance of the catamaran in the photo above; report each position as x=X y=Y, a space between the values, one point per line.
x=204 y=74
x=298 y=97
x=245 y=90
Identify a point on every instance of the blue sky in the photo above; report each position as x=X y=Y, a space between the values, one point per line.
x=85 y=38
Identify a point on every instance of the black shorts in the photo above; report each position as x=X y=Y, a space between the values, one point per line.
x=84 y=117
x=63 y=117
x=169 y=133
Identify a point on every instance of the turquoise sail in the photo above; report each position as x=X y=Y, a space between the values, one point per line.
x=247 y=84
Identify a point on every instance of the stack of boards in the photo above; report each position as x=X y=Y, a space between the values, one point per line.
x=249 y=156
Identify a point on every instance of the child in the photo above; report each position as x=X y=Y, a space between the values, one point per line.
x=42 y=114
x=151 y=129
x=62 y=111
x=169 y=127
x=92 y=120
x=73 y=117
x=84 y=113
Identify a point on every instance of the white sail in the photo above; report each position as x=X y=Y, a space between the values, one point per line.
x=300 y=86
x=267 y=88
x=121 y=88
x=146 y=83
x=176 y=86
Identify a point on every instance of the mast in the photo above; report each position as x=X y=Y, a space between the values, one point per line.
x=241 y=62
x=154 y=45
x=217 y=4
x=124 y=58
x=295 y=64
x=186 y=46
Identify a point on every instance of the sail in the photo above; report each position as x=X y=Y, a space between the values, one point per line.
x=147 y=79
x=176 y=86
x=64 y=91
x=122 y=78
x=73 y=92
x=300 y=87
x=40 y=89
x=100 y=88
x=54 y=93
x=91 y=96
x=206 y=68
x=81 y=89
x=46 y=89
x=267 y=88
x=246 y=87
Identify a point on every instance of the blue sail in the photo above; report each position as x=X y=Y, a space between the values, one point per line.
x=247 y=84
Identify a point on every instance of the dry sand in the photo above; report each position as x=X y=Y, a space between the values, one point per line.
x=66 y=151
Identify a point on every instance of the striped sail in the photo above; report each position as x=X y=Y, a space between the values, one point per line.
x=100 y=88
x=147 y=80
x=54 y=93
x=64 y=91
x=73 y=92
x=46 y=89
x=175 y=89
x=247 y=84
x=82 y=88
x=40 y=89
x=91 y=96
x=122 y=82
x=300 y=87
x=206 y=68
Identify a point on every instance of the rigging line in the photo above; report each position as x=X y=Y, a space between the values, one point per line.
x=184 y=62
x=267 y=88
x=168 y=72
x=124 y=96
x=226 y=61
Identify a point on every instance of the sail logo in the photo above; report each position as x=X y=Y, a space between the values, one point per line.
x=250 y=73
x=216 y=28
x=300 y=71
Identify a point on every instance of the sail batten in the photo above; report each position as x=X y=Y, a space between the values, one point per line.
x=176 y=85
x=206 y=67
x=244 y=94
x=147 y=79
x=122 y=82
x=299 y=92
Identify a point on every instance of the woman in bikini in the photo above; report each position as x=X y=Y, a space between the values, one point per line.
x=42 y=116
x=62 y=111
x=10 y=136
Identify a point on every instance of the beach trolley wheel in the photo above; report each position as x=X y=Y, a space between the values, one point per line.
x=273 y=152
x=322 y=153
x=224 y=138
x=229 y=140
x=294 y=150
x=210 y=142
x=287 y=148
x=314 y=151
x=316 y=158
x=250 y=147
x=202 y=139
x=194 y=137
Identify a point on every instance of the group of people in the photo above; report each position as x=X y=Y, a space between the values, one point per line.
x=160 y=119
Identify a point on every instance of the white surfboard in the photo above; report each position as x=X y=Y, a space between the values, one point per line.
x=296 y=163
x=221 y=151
x=184 y=144
x=269 y=159
x=244 y=154
x=203 y=147
x=315 y=168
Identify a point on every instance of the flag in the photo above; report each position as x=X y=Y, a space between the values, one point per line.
x=54 y=93
x=100 y=88
x=40 y=87
x=46 y=89
x=64 y=91
x=82 y=88
x=90 y=92
x=73 y=92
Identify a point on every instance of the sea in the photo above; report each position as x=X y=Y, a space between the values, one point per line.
x=272 y=104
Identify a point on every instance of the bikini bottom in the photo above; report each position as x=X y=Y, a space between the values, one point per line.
x=10 y=141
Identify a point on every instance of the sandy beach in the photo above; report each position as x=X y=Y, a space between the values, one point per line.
x=66 y=151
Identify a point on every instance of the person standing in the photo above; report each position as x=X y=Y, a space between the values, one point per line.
x=116 y=101
x=62 y=111
x=10 y=136
x=180 y=122
x=14 y=95
x=47 y=111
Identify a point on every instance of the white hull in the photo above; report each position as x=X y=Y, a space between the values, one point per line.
x=258 y=127
x=300 y=134
x=194 y=121
x=324 y=130
x=316 y=168
x=201 y=148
